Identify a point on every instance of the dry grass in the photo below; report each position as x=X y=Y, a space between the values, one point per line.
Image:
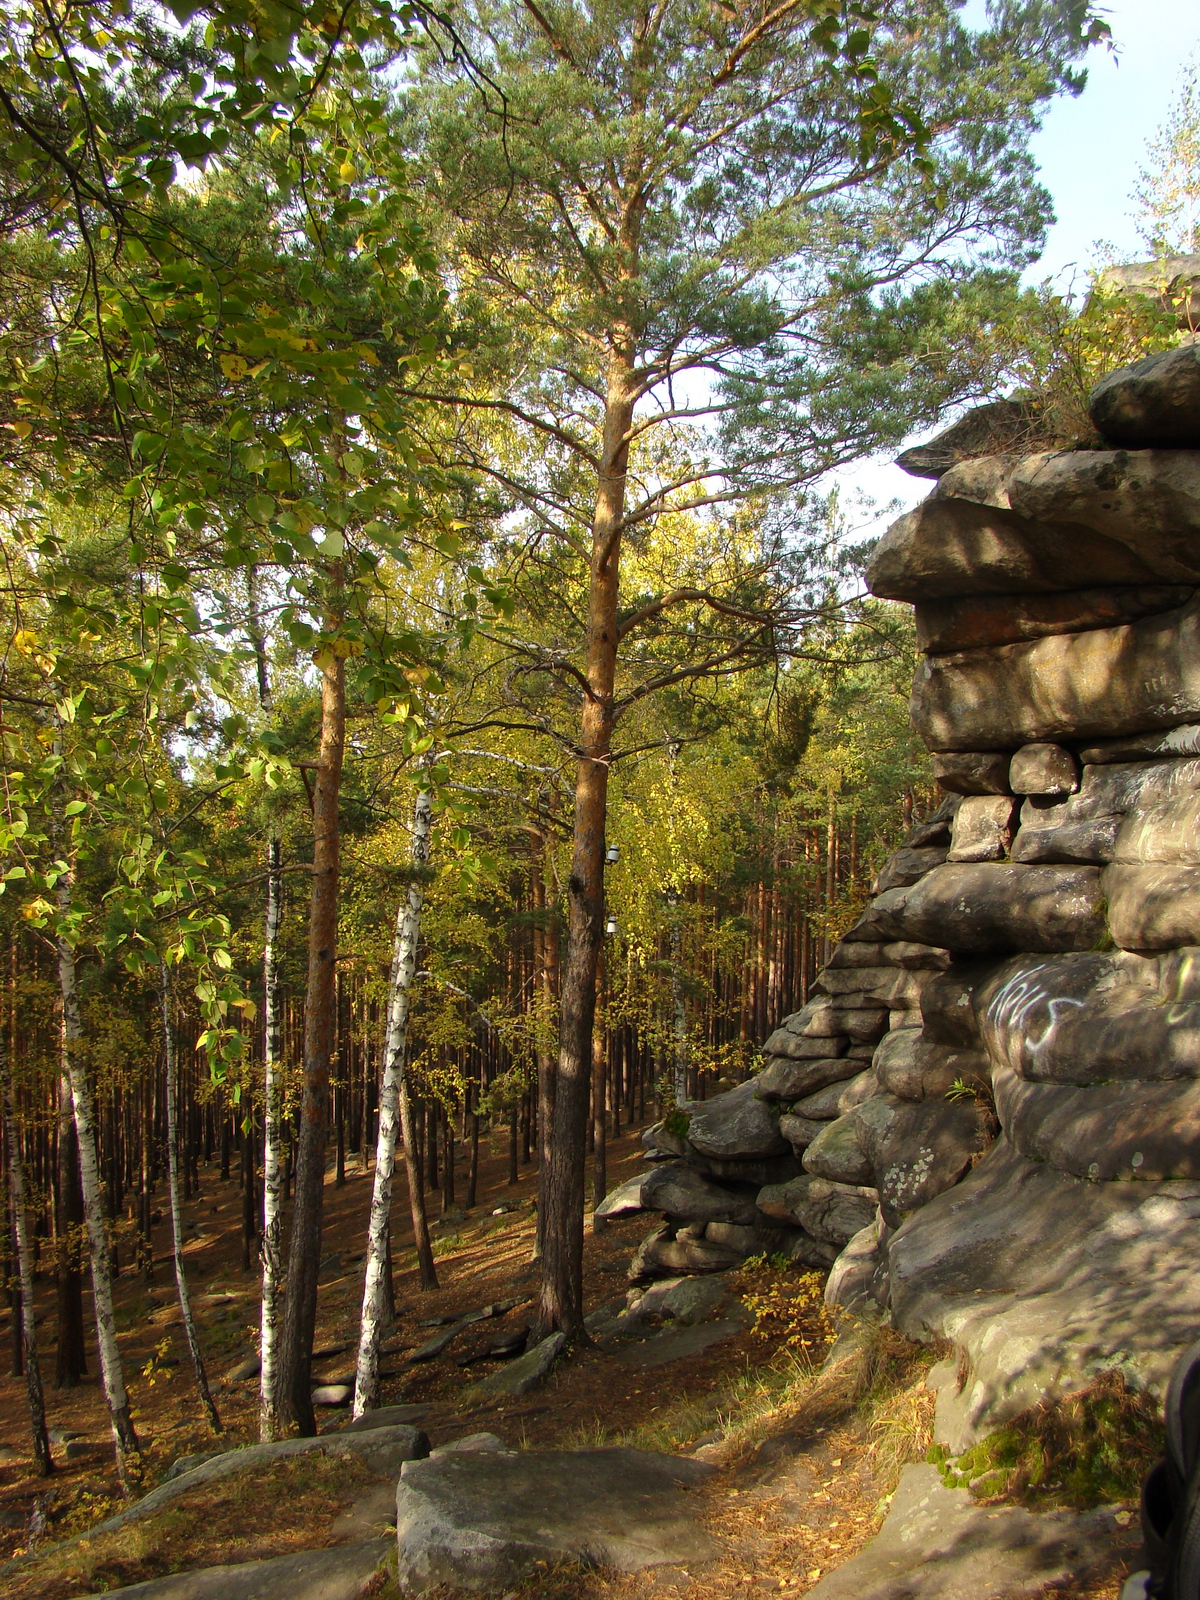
x=208 y=1527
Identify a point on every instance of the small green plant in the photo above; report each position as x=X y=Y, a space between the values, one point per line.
x=677 y=1122
x=960 y=1089
x=159 y=1365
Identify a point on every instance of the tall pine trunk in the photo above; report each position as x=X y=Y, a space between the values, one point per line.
x=293 y=1396
x=20 y=1221
x=268 y=1420
x=185 y=1302
x=394 y=1089
x=561 y=1305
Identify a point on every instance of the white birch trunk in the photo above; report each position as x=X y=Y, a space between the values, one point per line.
x=185 y=1303
x=680 y=1008
x=404 y=966
x=16 y=1193
x=268 y=1422
x=111 y=1375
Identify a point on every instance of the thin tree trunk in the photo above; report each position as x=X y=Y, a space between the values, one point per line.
x=561 y=1305
x=125 y=1438
x=679 y=1010
x=16 y=1201
x=294 y=1393
x=268 y=1421
x=394 y=1090
x=185 y=1303
x=70 y=1353
x=599 y=1118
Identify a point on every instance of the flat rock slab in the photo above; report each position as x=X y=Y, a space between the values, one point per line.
x=939 y=1544
x=527 y=1371
x=344 y=1573
x=483 y=1522
x=676 y=1344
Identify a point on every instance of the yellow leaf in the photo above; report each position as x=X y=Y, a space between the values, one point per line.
x=234 y=367
x=346 y=172
x=21 y=429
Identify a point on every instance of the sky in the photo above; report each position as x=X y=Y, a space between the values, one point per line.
x=1089 y=151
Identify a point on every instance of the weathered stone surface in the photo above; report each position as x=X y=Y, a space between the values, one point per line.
x=385 y=1417
x=1113 y=1130
x=744 y=1241
x=735 y=1126
x=944 y=548
x=1043 y=769
x=1168 y=833
x=528 y=1371
x=972 y=772
x=1153 y=404
x=941 y=1544
x=472 y=1441
x=975 y=907
x=983 y=479
x=837 y=1154
x=829 y=1018
x=685 y=1300
x=1183 y=741
x=855 y=1272
x=665 y=1255
x=906 y=865
x=877 y=921
x=1086 y=1019
x=679 y=1191
x=676 y=1344
x=774 y=1169
x=948 y=1008
x=1087 y=843
x=1071 y=687
x=983 y=828
x=794 y=1047
x=800 y=1131
x=916 y=1148
x=912 y=1067
x=484 y=1523
x=346 y=1572
x=826 y=1103
x=832 y=1212
x=865 y=954
x=1153 y=907
x=916 y=957
x=1146 y=499
x=810 y=1252
x=1170 y=282
x=898 y=988
x=625 y=1201
x=969 y=622
x=1043 y=1281
x=984 y=431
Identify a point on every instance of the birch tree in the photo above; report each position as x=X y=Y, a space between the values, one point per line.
x=181 y=1286
x=395 y=1116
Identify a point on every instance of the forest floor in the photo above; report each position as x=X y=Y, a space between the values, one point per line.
x=807 y=1462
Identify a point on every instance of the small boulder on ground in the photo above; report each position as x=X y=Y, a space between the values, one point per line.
x=527 y=1371
x=483 y=1523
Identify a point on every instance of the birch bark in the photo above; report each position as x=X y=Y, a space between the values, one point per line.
x=185 y=1303
x=268 y=1419
x=394 y=1108
x=111 y=1375
x=16 y=1193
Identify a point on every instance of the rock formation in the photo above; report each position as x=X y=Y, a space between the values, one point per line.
x=986 y=1118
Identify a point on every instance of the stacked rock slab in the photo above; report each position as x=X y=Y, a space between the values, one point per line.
x=1057 y=605
x=987 y=1116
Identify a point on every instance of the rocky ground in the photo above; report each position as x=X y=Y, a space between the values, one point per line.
x=799 y=1467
